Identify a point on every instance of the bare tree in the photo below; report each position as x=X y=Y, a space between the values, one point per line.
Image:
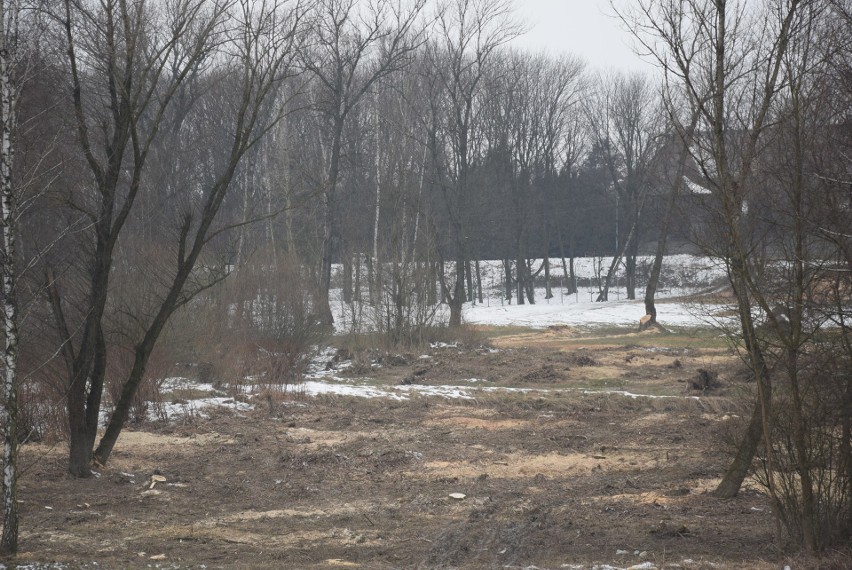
x=725 y=59
x=670 y=168
x=9 y=62
x=262 y=47
x=355 y=45
x=469 y=34
x=119 y=106
x=130 y=66
x=624 y=120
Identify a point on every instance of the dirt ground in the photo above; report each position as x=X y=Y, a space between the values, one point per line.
x=568 y=475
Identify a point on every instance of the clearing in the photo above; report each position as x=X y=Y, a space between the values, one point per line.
x=546 y=457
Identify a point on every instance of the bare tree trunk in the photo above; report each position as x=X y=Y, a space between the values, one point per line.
x=376 y=276
x=357 y=285
x=548 y=292
x=573 y=276
x=630 y=266
x=507 y=278
x=738 y=470
x=8 y=269
x=663 y=234
x=604 y=294
x=347 y=278
x=478 y=282
x=431 y=283
x=468 y=274
x=457 y=298
x=520 y=278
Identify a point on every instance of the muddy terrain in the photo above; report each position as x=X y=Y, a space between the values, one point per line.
x=558 y=460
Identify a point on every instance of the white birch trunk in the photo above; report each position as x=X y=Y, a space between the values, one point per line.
x=8 y=393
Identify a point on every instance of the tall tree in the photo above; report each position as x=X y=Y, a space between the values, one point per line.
x=725 y=58
x=130 y=67
x=623 y=117
x=469 y=33
x=126 y=62
x=9 y=62
x=259 y=52
x=354 y=46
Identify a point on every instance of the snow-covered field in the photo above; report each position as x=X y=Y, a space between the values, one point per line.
x=581 y=313
x=682 y=276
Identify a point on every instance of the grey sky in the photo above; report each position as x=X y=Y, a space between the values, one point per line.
x=581 y=27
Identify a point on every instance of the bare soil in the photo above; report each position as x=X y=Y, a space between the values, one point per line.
x=567 y=474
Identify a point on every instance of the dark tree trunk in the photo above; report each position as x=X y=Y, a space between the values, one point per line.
x=573 y=276
x=604 y=294
x=442 y=282
x=507 y=278
x=478 y=282
x=468 y=274
x=738 y=470
x=630 y=269
x=530 y=282
x=548 y=292
x=431 y=284
x=759 y=425
x=347 y=278
x=665 y=224
x=521 y=279
x=356 y=287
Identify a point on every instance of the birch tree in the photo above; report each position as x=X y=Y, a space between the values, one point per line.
x=9 y=61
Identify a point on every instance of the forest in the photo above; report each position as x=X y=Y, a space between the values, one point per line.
x=227 y=184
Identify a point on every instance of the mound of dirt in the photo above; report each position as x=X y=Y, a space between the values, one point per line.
x=544 y=374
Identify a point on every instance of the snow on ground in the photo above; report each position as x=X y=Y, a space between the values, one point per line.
x=683 y=275
x=575 y=312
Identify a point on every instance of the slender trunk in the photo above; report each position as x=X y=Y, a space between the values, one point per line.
x=323 y=302
x=478 y=282
x=604 y=294
x=357 y=285
x=8 y=269
x=329 y=227
x=631 y=250
x=738 y=470
x=371 y=286
x=376 y=277
x=431 y=283
x=457 y=298
x=442 y=282
x=507 y=278
x=347 y=278
x=530 y=287
x=468 y=274
x=809 y=519
x=759 y=426
x=663 y=234
x=630 y=268
x=143 y=351
x=567 y=279
x=520 y=278
x=548 y=292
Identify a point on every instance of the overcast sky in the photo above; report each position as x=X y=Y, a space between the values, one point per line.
x=586 y=28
